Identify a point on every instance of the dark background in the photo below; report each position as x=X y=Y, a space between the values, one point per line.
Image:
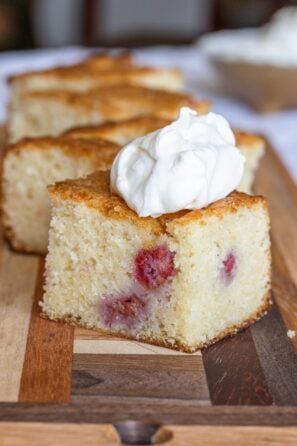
x=49 y=23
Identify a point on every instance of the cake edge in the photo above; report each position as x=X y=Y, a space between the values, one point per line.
x=179 y=346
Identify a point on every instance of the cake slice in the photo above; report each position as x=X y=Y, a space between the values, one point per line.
x=28 y=168
x=85 y=77
x=251 y=146
x=97 y=70
x=51 y=113
x=71 y=76
x=182 y=281
x=106 y=60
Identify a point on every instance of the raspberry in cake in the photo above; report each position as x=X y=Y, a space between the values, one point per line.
x=182 y=280
x=154 y=267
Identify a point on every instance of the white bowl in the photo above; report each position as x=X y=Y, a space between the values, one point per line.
x=257 y=79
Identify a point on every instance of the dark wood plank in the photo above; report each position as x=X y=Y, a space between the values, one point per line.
x=114 y=409
x=274 y=182
x=46 y=375
x=234 y=372
x=277 y=357
x=149 y=376
x=285 y=291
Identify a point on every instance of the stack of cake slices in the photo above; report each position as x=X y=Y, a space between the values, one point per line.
x=34 y=163
x=41 y=113
x=183 y=280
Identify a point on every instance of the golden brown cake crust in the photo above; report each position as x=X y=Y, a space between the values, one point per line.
x=134 y=126
x=247 y=139
x=232 y=203
x=106 y=60
x=231 y=331
x=115 y=102
x=145 y=124
x=97 y=149
x=94 y=192
x=96 y=62
x=109 y=76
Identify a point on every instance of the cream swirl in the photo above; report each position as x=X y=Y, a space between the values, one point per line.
x=186 y=165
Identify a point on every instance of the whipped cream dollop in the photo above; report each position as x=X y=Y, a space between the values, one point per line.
x=186 y=165
x=274 y=43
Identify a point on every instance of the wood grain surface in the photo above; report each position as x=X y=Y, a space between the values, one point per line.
x=274 y=182
x=36 y=434
x=284 y=289
x=127 y=376
x=277 y=357
x=110 y=409
x=116 y=346
x=47 y=367
x=98 y=342
x=234 y=372
x=17 y=283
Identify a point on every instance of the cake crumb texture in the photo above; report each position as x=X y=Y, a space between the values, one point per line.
x=29 y=167
x=204 y=274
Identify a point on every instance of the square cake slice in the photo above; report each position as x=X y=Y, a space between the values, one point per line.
x=49 y=78
x=82 y=78
x=54 y=112
x=28 y=168
x=183 y=280
x=94 y=72
x=250 y=145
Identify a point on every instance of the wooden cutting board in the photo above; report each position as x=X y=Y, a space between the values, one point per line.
x=240 y=390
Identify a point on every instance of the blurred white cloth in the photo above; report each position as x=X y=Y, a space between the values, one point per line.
x=280 y=128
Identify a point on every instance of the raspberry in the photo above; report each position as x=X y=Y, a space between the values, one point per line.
x=154 y=267
x=125 y=310
x=229 y=267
